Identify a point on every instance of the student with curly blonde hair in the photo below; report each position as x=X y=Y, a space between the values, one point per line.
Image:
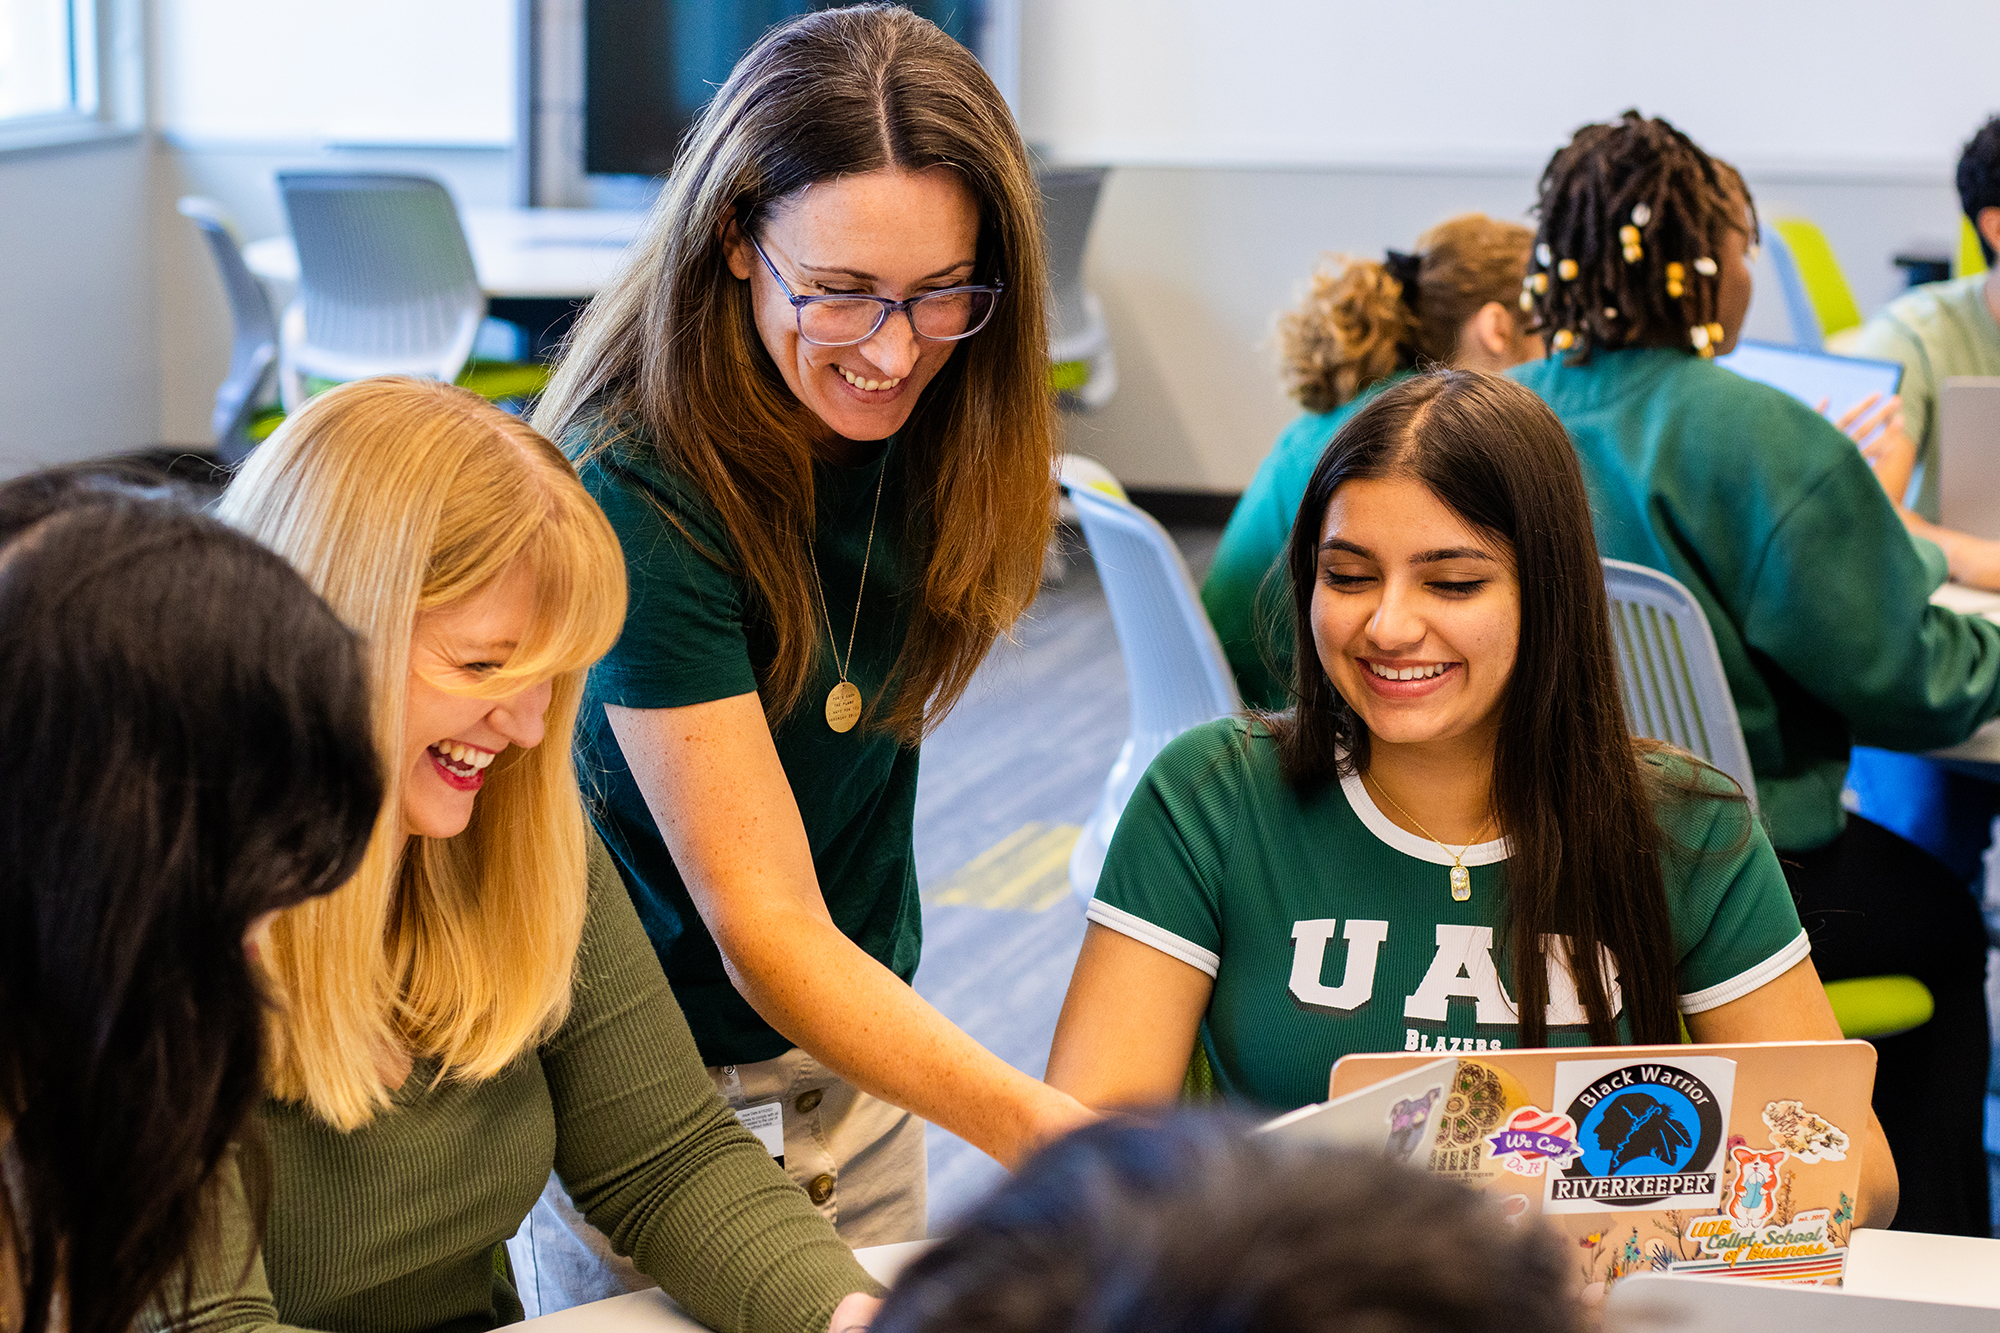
x=479 y=1003
x=1363 y=325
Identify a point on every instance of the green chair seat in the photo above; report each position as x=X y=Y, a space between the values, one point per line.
x=494 y=380
x=1826 y=286
x=1879 y=1006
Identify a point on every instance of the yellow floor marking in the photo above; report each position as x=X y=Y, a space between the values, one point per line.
x=1026 y=871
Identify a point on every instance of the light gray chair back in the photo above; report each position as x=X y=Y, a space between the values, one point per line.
x=253 y=343
x=1077 y=330
x=386 y=279
x=1670 y=672
x=1175 y=671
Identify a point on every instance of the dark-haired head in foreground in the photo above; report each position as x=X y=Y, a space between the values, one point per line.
x=188 y=750
x=1193 y=1224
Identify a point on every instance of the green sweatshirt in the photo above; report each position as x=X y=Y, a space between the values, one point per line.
x=1816 y=593
x=1937 y=330
x=392 y=1228
x=1252 y=617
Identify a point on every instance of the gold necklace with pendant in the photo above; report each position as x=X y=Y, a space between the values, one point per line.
x=1461 y=878
x=843 y=701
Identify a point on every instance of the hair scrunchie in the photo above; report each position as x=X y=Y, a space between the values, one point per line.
x=1404 y=269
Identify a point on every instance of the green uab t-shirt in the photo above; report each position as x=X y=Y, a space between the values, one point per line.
x=1816 y=592
x=694 y=633
x=1330 y=931
x=1937 y=330
x=1252 y=614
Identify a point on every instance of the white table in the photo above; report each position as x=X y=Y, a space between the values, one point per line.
x=1951 y=1270
x=652 y=1312
x=519 y=253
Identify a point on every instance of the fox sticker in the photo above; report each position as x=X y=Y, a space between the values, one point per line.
x=1752 y=1198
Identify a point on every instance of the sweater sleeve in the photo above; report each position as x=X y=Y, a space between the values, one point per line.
x=1839 y=599
x=654 y=1159
x=230 y=1291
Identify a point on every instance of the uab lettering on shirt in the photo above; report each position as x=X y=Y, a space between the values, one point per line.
x=1461 y=968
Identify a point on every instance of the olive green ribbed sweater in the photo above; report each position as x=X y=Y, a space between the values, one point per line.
x=391 y=1229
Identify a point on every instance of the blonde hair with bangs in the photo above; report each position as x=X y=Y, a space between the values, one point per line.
x=394 y=497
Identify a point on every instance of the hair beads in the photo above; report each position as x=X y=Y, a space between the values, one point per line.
x=1636 y=190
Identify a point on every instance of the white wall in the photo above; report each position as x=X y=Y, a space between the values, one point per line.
x=1770 y=84
x=1252 y=138
x=78 y=376
x=245 y=88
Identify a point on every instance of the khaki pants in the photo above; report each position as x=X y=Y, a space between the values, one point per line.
x=860 y=1161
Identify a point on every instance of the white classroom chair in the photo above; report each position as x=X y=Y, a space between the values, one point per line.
x=253 y=344
x=386 y=280
x=1175 y=672
x=1670 y=672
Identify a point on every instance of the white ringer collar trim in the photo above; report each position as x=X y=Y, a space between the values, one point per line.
x=1408 y=843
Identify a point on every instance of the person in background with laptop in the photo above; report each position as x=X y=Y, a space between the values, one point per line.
x=1944 y=329
x=1366 y=324
x=1452 y=842
x=1196 y=1226
x=1815 y=591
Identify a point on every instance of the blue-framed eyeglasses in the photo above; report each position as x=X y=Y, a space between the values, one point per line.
x=844 y=319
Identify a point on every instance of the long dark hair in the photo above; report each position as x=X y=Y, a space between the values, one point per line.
x=1568 y=789
x=187 y=742
x=1196 y=1226
x=673 y=344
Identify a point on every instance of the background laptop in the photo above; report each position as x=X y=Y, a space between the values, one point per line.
x=1969 y=454
x=1397 y=1117
x=1815 y=377
x=1717 y=1161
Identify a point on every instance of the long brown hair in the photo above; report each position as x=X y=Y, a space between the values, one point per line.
x=673 y=345
x=1597 y=284
x=1363 y=320
x=1569 y=790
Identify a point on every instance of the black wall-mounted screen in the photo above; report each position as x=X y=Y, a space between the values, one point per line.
x=651 y=65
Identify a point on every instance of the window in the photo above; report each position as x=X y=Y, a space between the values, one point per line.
x=48 y=62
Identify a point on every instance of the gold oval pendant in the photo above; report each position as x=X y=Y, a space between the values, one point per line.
x=843 y=706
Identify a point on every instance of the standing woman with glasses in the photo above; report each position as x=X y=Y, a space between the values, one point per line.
x=816 y=409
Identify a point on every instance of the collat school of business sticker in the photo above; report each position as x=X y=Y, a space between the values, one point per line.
x=1649 y=1134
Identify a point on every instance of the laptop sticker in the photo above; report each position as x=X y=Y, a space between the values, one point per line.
x=1408 y=1120
x=1480 y=1099
x=1649 y=1134
x=1534 y=1139
x=1803 y=1134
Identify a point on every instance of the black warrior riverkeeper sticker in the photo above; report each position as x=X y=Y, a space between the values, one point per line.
x=1649 y=1134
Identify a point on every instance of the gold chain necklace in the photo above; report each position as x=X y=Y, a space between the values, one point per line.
x=843 y=701
x=1461 y=878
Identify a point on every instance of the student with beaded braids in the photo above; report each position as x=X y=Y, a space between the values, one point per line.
x=1815 y=591
x=1364 y=325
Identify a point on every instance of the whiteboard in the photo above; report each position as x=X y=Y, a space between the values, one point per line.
x=410 y=72
x=1838 y=86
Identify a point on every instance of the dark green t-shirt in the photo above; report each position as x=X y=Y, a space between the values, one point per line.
x=694 y=633
x=1816 y=592
x=1253 y=616
x=1330 y=931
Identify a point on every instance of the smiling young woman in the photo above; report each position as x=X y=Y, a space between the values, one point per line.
x=479 y=1006
x=1455 y=803
x=816 y=409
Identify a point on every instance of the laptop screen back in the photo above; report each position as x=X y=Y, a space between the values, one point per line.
x=1814 y=378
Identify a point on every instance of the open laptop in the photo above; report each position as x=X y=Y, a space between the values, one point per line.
x=1398 y=1117
x=1969 y=454
x=1840 y=382
x=1720 y=1161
